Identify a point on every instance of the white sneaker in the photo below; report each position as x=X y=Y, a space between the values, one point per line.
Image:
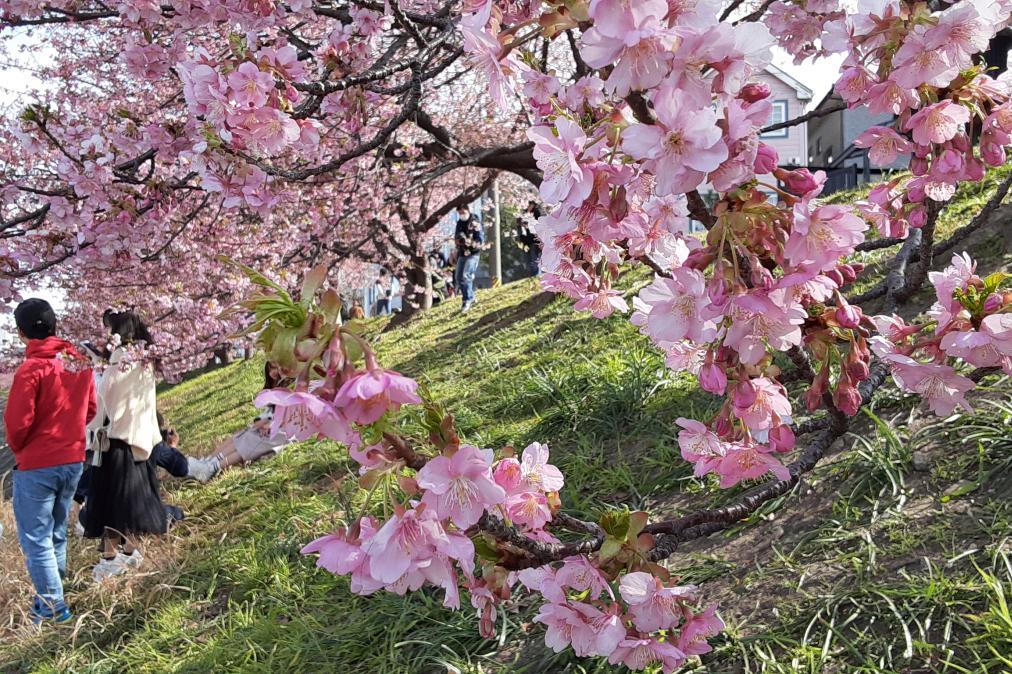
x=202 y=470
x=133 y=560
x=79 y=529
x=466 y=307
x=107 y=568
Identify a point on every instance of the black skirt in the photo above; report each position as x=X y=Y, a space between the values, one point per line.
x=123 y=495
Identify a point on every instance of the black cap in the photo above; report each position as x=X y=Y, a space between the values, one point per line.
x=35 y=318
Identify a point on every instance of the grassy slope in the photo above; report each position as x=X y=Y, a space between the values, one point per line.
x=882 y=584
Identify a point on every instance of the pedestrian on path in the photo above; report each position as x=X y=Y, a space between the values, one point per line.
x=52 y=398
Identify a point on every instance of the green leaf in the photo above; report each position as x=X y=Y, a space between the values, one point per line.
x=283 y=349
x=609 y=549
x=637 y=521
x=616 y=523
x=311 y=283
x=994 y=281
x=485 y=547
x=330 y=305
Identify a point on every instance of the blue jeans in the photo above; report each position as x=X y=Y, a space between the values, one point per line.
x=463 y=276
x=532 y=260
x=42 y=499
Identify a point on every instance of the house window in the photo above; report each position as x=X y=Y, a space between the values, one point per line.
x=778 y=114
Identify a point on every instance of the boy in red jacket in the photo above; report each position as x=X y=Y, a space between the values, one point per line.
x=52 y=398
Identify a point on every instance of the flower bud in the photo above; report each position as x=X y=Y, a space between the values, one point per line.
x=848 y=272
x=847 y=315
x=917 y=217
x=919 y=166
x=974 y=169
x=766 y=160
x=712 y=378
x=993 y=303
x=744 y=394
x=722 y=425
x=836 y=277
x=800 y=181
x=754 y=92
x=782 y=438
x=846 y=397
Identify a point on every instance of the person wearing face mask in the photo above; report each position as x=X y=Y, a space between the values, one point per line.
x=469 y=237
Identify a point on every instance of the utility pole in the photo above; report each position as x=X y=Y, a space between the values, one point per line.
x=496 y=236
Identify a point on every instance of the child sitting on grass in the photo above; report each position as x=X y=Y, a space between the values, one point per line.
x=52 y=398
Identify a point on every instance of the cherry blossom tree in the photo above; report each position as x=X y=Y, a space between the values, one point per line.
x=629 y=109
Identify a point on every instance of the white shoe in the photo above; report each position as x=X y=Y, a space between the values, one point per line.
x=79 y=529
x=107 y=568
x=202 y=470
x=466 y=307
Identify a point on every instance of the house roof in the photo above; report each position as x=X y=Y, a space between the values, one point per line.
x=804 y=93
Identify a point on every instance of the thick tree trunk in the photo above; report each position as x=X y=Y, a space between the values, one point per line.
x=418 y=286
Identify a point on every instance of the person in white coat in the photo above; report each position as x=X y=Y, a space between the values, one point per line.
x=124 y=498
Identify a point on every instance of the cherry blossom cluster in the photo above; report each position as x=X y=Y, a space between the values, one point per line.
x=463 y=517
x=918 y=66
x=670 y=107
x=971 y=321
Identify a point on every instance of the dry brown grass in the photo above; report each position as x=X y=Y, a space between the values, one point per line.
x=93 y=604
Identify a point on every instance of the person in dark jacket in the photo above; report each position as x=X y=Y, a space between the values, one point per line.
x=528 y=240
x=51 y=401
x=469 y=237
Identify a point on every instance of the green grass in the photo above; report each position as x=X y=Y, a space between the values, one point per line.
x=870 y=566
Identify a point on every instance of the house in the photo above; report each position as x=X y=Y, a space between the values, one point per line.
x=789 y=98
x=831 y=137
x=831 y=144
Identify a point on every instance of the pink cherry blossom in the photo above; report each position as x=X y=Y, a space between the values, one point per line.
x=367 y=396
x=508 y=475
x=681 y=148
x=603 y=303
x=305 y=416
x=402 y=542
x=915 y=63
x=767 y=408
x=652 y=605
x=938 y=123
x=760 y=320
x=535 y=470
x=676 y=308
x=600 y=633
x=565 y=178
x=639 y=653
x=579 y=574
x=250 y=87
x=939 y=385
x=700 y=446
x=697 y=628
x=528 y=508
x=884 y=143
x=822 y=236
x=460 y=487
x=748 y=462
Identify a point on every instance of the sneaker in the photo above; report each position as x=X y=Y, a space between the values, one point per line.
x=40 y=616
x=466 y=307
x=107 y=568
x=79 y=529
x=202 y=470
x=133 y=560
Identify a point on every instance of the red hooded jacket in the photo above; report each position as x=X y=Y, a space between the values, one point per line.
x=48 y=407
